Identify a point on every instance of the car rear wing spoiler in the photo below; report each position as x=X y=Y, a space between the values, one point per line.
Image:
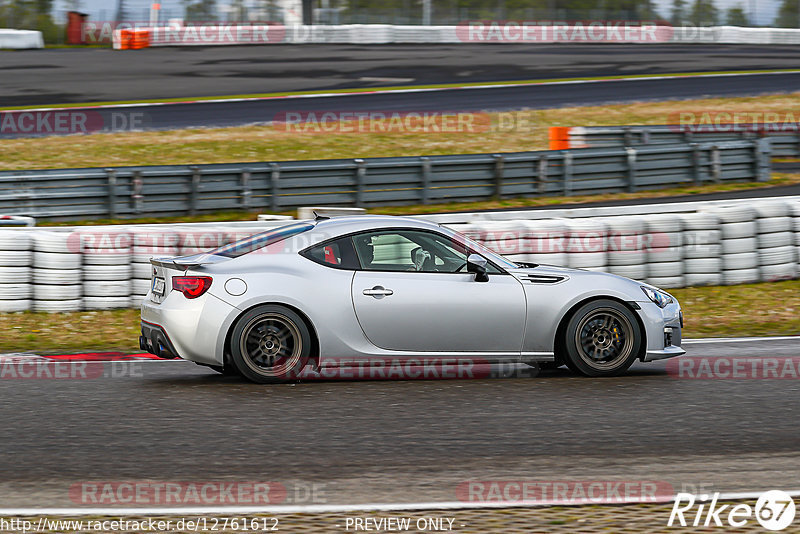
x=182 y=263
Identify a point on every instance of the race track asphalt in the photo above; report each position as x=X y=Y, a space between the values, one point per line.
x=238 y=113
x=401 y=441
x=53 y=76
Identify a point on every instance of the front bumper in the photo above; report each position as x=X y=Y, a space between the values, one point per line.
x=663 y=329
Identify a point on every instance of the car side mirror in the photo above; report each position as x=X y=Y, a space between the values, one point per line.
x=477 y=264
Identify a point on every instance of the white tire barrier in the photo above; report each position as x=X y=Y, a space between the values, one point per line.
x=668 y=223
x=142 y=270
x=144 y=254
x=636 y=272
x=772 y=209
x=13 y=306
x=140 y=286
x=777 y=239
x=734 y=213
x=57 y=292
x=15 y=258
x=780 y=271
x=776 y=255
x=106 y=272
x=742 y=260
x=662 y=255
x=710 y=250
x=15 y=240
x=106 y=303
x=106 y=288
x=666 y=282
x=583 y=260
x=111 y=257
x=55 y=306
x=627 y=257
x=737 y=230
x=703 y=279
x=775 y=224
x=56 y=260
x=737 y=246
x=665 y=269
x=15 y=291
x=57 y=276
x=55 y=242
x=700 y=221
x=15 y=275
x=740 y=276
x=703 y=266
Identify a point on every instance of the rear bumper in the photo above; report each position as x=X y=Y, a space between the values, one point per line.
x=155 y=340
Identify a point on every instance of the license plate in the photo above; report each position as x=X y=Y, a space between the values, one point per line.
x=158 y=286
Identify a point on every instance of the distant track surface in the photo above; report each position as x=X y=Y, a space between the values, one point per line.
x=45 y=77
x=402 y=441
x=238 y=113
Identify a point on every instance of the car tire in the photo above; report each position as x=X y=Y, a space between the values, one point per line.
x=267 y=360
x=607 y=328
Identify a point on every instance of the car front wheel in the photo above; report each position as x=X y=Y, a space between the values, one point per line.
x=270 y=344
x=602 y=338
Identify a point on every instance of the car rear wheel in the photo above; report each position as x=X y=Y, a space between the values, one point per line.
x=602 y=338
x=270 y=344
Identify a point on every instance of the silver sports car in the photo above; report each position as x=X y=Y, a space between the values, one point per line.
x=354 y=291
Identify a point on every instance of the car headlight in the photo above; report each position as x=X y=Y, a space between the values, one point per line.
x=660 y=298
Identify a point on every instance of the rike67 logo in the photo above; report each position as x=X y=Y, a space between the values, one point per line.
x=774 y=510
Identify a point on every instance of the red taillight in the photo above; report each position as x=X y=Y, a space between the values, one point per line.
x=191 y=286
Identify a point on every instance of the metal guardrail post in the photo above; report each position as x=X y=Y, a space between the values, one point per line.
x=246 y=192
x=426 y=179
x=499 y=170
x=194 y=189
x=631 y=160
x=274 y=186
x=627 y=138
x=716 y=165
x=688 y=137
x=361 y=174
x=137 y=198
x=541 y=177
x=645 y=140
x=762 y=159
x=112 y=193
x=567 y=174
x=698 y=178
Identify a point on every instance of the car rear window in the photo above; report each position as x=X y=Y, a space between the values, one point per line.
x=261 y=240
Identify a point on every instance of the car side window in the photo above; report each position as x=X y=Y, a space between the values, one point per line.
x=338 y=254
x=409 y=250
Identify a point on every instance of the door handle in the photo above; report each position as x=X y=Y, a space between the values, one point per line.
x=378 y=292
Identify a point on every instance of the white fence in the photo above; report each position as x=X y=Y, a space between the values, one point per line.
x=667 y=245
x=497 y=32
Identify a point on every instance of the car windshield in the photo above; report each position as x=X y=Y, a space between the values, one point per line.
x=261 y=240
